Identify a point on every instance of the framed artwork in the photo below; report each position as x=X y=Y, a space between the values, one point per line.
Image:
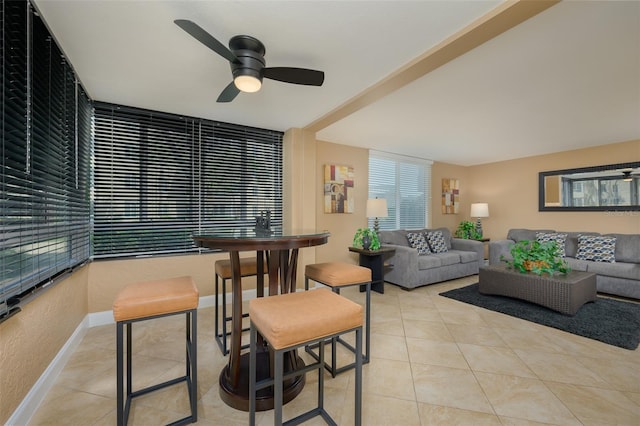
x=450 y=196
x=338 y=189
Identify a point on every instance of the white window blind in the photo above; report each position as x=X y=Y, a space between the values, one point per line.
x=405 y=183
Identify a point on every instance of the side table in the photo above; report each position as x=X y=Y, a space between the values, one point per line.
x=374 y=260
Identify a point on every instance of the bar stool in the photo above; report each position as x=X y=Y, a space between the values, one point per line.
x=248 y=268
x=338 y=275
x=289 y=321
x=148 y=300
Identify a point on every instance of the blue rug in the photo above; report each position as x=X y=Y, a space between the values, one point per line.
x=610 y=321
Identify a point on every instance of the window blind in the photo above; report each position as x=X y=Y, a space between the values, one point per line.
x=405 y=183
x=46 y=151
x=160 y=178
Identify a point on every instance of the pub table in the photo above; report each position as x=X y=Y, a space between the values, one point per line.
x=281 y=249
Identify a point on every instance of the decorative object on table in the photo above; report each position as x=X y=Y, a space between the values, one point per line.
x=376 y=208
x=450 y=196
x=537 y=257
x=359 y=237
x=263 y=222
x=479 y=210
x=467 y=230
x=338 y=189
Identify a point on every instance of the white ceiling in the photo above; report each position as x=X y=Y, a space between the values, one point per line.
x=565 y=79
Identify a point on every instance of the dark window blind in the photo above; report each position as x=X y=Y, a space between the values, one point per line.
x=160 y=178
x=46 y=151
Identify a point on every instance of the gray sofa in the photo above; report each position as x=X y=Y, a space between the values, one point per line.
x=620 y=277
x=411 y=270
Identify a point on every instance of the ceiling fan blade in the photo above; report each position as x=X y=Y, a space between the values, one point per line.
x=295 y=75
x=229 y=93
x=207 y=39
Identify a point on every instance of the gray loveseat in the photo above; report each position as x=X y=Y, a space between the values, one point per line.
x=410 y=270
x=620 y=277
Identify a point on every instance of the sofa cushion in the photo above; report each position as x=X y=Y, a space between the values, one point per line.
x=437 y=242
x=596 y=248
x=525 y=234
x=466 y=256
x=418 y=242
x=630 y=271
x=428 y=262
x=397 y=237
x=627 y=247
x=557 y=237
x=577 y=265
x=447 y=258
x=571 y=243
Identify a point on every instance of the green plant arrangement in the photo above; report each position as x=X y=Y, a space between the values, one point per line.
x=537 y=257
x=467 y=230
x=361 y=233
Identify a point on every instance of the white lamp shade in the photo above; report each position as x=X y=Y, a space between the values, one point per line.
x=377 y=207
x=479 y=210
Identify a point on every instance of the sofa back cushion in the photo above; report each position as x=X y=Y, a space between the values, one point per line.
x=627 y=247
x=517 y=234
x=397 y=237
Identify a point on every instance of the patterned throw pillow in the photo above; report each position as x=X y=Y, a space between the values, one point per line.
x=417 y=241
x=559 y=238
x=437 y=242
x=596 y=248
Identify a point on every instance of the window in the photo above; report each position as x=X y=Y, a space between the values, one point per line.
x=160 y=178
x=46 y=152
x=405 y=183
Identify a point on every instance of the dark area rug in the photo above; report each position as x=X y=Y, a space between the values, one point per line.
x=610 y=321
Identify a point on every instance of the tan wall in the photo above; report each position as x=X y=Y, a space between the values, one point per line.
x=341 y=225
x=441 y=171
x=511 y=189
x=31 y=339
x=107 y=277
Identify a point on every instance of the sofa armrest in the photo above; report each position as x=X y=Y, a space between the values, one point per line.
x=498 y=249
x=468 y=245
x=404 y=257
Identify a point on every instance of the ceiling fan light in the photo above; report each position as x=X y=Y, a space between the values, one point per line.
x=247 y=83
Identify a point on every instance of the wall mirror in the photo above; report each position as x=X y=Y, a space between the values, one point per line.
x=614 y=187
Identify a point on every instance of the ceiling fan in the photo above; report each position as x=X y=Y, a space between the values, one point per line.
x=246 y=57
x=628 y=175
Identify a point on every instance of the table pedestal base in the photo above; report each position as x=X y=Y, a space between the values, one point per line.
x=238 y=397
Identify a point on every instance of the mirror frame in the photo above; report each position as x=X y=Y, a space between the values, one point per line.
x=541 y=189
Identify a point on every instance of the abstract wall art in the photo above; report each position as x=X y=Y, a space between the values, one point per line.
x=338 y=189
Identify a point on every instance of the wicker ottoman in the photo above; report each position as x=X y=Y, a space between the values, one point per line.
x=562 y=293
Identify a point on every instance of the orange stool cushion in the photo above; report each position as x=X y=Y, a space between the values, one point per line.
x=336 y=274
x=295 y=318
x=147 y=299
x=248 y=267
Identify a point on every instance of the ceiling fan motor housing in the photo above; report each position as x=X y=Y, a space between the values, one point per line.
x=250 y=53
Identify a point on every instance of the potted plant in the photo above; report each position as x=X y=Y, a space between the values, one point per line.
x=366 y=238
x=537 y=257
x=467 y=230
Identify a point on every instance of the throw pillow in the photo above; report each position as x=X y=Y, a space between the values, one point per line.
x=437 y=242
x=559 y=239
x=417 y=241
x=596 y=248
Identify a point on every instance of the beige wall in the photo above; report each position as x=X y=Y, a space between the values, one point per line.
x=31 y=339
x=511 y=189
x=341 y=225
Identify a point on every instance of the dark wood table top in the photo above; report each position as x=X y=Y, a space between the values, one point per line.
x=249 y=240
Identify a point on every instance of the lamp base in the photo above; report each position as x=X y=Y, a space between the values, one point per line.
x=479 y=228
x=376 y=225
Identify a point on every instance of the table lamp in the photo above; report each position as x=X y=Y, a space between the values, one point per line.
x=479 y=210
x=377 y=207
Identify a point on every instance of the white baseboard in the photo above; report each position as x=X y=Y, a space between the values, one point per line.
x=43 y=385
x=22 y=415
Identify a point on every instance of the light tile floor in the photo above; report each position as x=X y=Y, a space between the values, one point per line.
x=434 y=361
